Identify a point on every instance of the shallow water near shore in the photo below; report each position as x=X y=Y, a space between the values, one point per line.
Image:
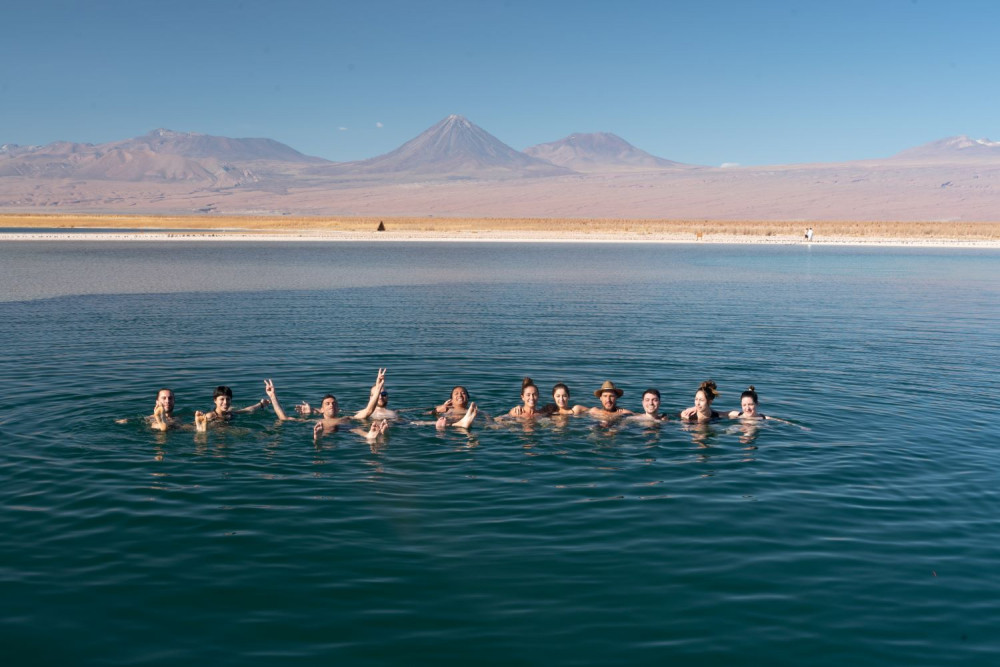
x=865 y=531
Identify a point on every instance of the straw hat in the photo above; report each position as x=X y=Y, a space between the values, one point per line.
x=608 y=386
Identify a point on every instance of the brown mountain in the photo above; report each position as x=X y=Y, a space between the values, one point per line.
x=457 y=169
x=954 y=149
x=599 y=152
x=453 y=149
x=161 y=155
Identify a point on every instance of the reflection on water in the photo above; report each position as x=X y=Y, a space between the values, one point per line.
x=853 y=533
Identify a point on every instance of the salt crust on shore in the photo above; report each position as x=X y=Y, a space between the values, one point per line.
x=485 y=236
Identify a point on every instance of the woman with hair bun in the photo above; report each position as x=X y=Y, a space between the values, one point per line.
x=529 y=397
x=702 y=410
x=748 y=407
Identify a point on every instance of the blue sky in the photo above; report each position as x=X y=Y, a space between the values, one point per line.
x=700 y=81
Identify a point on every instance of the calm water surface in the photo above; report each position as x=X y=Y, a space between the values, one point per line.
x=864 y=532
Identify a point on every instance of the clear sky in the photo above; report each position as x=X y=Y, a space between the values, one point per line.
x=698 y=81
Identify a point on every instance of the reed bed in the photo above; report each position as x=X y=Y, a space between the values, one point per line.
x=847 y=229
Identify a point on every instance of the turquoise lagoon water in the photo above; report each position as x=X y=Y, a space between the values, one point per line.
x=865 y=532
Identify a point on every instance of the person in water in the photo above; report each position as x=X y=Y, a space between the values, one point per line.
x=163 y=412
x=465 y=421
x=329 y=420
x=382 y=410
x=529 y=398
x=223 y=411
x=456 y=411
x=455 y=406
x=702 y=410
x=749 y=408
x=650 y=407
x=329 y=403
x=608 y=395
x=561 y=404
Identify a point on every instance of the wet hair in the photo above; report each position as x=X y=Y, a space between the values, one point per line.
x=654 y=392
x=160 y=391
x=560 y=385
x=749 y=393
x=329 y=396
x=708 y=388
x=222 y=390
x=527 y=382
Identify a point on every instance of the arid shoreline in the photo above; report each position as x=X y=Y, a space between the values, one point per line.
x=528 y=230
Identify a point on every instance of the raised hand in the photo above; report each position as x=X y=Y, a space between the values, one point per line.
x=304 y=408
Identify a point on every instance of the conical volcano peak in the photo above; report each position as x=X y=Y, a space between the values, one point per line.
x=457 y=147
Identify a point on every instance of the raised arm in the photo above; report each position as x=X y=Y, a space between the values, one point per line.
x=273 y=395
x=373 y=398
x=262 y=403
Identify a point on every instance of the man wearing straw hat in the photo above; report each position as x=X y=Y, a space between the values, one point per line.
x=609 y=395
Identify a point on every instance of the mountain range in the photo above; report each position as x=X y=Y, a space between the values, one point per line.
x=456 y=168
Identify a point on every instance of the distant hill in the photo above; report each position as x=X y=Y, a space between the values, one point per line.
x=959 y=148
x=161 y=155
x=455 y=148
x=598 y=152
x=458 y=169
x=192 y=145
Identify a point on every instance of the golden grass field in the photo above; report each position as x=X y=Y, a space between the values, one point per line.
x=926 y=231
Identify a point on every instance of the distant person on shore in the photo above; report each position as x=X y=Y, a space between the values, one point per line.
x=650 y=408
x=561 y=405
x=809 y=234
x=702 y=410
x=608 y=395
x=223 y=398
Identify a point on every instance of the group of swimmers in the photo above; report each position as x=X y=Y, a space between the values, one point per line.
x=458 y=411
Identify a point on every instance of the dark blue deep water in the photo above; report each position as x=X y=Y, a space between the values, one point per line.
x=864 y=532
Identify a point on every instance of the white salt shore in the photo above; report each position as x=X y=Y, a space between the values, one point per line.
x=57 y=235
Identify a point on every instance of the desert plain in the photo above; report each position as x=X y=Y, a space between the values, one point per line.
x=24 y=227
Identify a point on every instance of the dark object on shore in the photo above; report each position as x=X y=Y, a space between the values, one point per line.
x=381 y=226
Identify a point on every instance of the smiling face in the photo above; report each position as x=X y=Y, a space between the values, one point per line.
x=383 y=399
x=650 y=403
x=749 y=406
x=702 y=403
x=165 y=399
x=608 y=400
x=530 y=396
x=561 y=397
x=222 y=403
x=459 y=397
